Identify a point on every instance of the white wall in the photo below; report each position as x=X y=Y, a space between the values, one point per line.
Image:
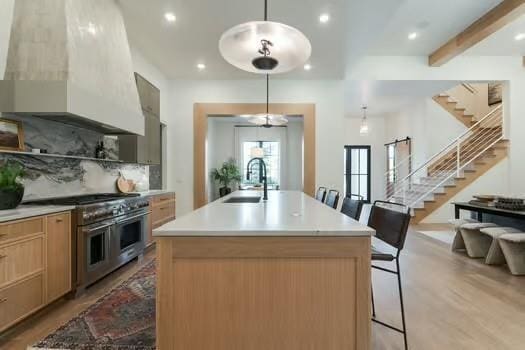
x=221 y=147
x=6 y=18
x=428 y=125
x=183 y=94
x=294 y=170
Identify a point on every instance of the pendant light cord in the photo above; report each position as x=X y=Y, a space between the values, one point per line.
x=267 y=75
x=267 y=98
x=267 y=93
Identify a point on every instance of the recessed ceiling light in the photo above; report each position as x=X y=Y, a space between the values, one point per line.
x=170 y=17
x=307 y=66
x=324 y=18
x=201 y=66
x=519 y=36
x=413 y=36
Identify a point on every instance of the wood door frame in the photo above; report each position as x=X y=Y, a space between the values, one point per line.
x=201 y=112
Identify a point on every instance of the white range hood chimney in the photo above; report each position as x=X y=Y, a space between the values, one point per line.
x=69 y=61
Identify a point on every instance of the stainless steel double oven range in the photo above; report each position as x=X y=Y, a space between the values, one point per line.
x=109 y=230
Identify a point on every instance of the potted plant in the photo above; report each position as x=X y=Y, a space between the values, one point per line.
x=227 y=174
x=11 y=190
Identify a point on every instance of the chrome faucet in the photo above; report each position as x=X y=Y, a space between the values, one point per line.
x=263 y=178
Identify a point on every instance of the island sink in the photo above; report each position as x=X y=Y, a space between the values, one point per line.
x=243 y=200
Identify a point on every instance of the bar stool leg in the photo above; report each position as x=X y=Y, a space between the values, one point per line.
x=402 y=304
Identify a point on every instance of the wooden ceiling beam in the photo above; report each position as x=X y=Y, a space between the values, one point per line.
x=501 y=15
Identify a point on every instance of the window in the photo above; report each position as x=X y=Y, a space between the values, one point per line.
x=357 y=171
x=272 y=158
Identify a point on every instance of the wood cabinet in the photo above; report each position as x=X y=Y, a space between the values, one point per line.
x=142 y=149
x=21 y=259
x=58 y=270
x=35 y=265
x=20 y=300
x=162 y=211
x=145 y=149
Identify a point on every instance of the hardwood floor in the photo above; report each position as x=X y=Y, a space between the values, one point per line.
x=452 y=302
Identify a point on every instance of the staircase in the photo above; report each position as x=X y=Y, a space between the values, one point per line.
x=449 y=171
x=453 y=108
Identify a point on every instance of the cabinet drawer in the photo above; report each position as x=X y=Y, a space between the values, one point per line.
x=163 y=213
x=20 y=300
x=163 y=198
x=21 y=259
x=20 y=229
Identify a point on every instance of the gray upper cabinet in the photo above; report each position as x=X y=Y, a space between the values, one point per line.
x=144 y=149
x=149 y=96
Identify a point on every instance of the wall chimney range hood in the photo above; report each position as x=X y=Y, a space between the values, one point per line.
x=69 y=61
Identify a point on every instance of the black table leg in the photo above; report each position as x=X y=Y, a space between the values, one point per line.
x=456 y=212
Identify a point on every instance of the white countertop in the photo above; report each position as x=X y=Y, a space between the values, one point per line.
x=286 y=213
x=153 y=192
x=27 y=211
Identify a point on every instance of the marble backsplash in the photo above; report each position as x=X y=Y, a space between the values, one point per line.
x=60 y=138
x=155 y=177
x=56 y=177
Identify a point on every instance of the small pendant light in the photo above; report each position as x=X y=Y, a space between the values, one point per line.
x=363 y=130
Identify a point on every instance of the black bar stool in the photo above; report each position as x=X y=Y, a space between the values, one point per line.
x=332 y=199
x=352 y=207
x=391 y=227
x=321 y=194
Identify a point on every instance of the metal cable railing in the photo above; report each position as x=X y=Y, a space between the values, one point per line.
x=450 y=162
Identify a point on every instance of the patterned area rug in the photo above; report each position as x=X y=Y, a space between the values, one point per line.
x=123 y=319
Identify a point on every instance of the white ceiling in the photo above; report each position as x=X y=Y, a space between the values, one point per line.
x=387 y=96
x=356 y=28
x=176 y=49
x=435 y=22
x=502 y=42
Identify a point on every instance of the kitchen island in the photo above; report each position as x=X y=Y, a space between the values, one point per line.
x=289 y=273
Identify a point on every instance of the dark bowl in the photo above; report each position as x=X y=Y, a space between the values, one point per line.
x=10 y=199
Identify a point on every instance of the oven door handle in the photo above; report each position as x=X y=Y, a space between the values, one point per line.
x=98 y=227
x=133 y=217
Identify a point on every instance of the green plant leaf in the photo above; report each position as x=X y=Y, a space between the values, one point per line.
x=227 y=174
x=10 y=174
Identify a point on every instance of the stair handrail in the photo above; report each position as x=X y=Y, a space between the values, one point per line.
x=469 y=87
x=447 y=147
x=452 y=173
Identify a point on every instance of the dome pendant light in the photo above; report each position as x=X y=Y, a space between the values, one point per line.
x=267 y=120
x=265 y=47
x=363 y=130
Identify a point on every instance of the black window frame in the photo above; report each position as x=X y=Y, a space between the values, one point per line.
x=348 y=171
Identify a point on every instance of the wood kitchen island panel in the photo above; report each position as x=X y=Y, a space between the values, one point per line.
x=286 y=293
